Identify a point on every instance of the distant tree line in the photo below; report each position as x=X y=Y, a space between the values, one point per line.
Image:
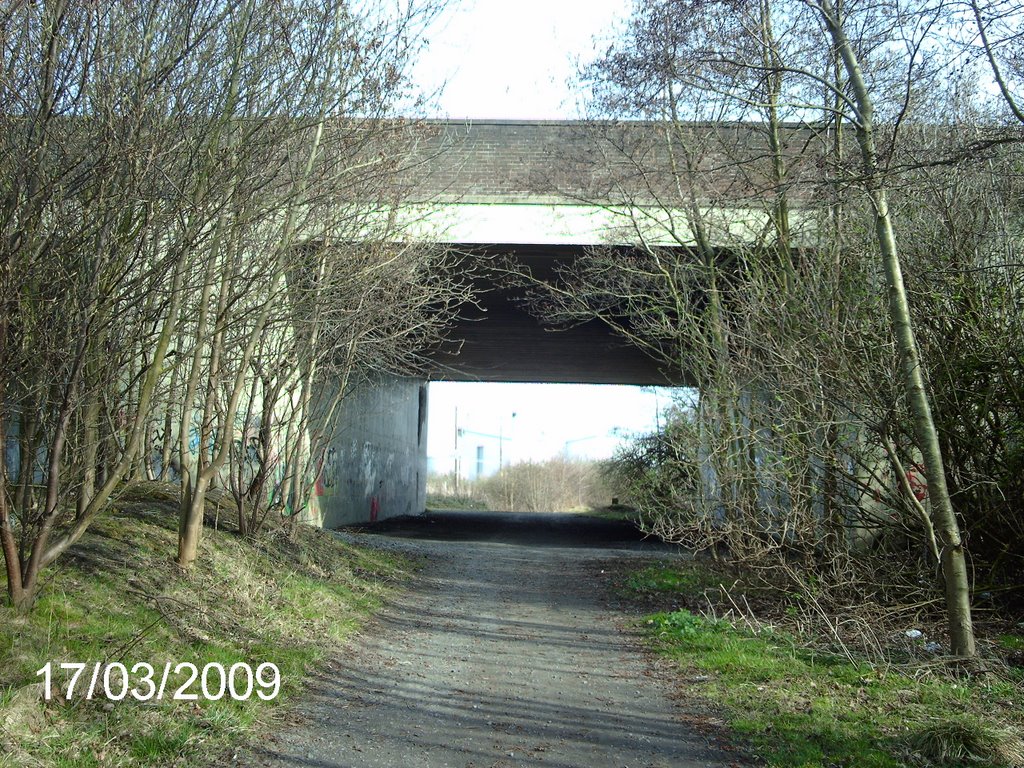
x=558 y=484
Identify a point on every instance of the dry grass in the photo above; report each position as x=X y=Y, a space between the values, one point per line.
x=966 y=741
x=118 y=596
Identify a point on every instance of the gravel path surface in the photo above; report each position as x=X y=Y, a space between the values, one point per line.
x=503 y=652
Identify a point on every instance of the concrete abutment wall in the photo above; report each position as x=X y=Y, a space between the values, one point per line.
x=376 y=465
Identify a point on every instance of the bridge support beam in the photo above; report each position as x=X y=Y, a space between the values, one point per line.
x=376 y=466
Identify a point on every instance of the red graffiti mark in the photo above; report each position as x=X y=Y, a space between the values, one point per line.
x=374 y=509
x=318 y=487
x=918 y=482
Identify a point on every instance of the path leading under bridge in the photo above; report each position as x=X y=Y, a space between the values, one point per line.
x=542 y=195
x=507 y=651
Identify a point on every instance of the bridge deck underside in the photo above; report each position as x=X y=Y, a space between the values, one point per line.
x=501 y=341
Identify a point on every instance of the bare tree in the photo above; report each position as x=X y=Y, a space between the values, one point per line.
x=1001 y=38
x=320 y=190
x=171 y=175
x=954 y=566
x=82 y=138
x=799 y=337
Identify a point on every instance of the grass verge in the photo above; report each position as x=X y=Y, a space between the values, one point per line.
x=799 y=705
x=469 y=503
x=118 y=597
x=615 y=512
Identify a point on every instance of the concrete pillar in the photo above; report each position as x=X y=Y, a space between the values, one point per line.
x=376 y=466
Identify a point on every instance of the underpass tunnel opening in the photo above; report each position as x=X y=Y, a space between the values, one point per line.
x=507 y=332
x=536 y=447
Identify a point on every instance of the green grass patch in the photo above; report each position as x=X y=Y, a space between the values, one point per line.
x=460 y=502
x=670 y=579
x=618 y=512
x=798 y=706
x=118 y=597
x=1011 y=642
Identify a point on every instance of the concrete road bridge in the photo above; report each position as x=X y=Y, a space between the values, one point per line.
x=545 y=193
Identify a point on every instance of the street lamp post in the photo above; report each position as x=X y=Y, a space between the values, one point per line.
x=458 y=468
x=501 y=441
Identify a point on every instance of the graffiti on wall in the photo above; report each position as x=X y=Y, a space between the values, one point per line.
x=327 y=472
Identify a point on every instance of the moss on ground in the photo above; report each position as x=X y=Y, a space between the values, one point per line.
x=118 y=597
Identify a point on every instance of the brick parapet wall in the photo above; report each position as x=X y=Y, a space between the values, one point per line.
x=542 y=161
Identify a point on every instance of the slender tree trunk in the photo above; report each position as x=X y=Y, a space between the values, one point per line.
x=167 y=448
x=186 y=465
x=954 y=567
x=134 y=437
x=780 y=214
x=36 y=559
x=12 y=559
x=90 y=450
x=190 y=528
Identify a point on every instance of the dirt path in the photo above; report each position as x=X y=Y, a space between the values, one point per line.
x=503 y=653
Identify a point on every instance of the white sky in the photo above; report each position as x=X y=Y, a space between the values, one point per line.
x=516 y=59
x=537 y=421
x=513 y=59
